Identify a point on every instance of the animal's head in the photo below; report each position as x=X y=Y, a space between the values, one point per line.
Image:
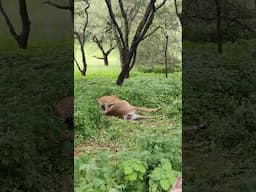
x=106 y=100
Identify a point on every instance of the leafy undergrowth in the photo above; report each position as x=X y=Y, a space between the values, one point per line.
x=117 y=155
x=220 y=90
x=31 y=81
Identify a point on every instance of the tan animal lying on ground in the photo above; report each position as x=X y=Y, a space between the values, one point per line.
x=113 y=106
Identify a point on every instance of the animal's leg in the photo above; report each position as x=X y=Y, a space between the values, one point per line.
x=134 y=116
x=144 y=109
x=131 y=116
x=144 y=117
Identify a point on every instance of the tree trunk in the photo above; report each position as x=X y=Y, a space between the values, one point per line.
x=84 y=61
x=126 y=49
x=132 y=62
x=166 y=55
x=23 y=42
x=122 y=58
x=105 y=59
x=127 y=76
x=125 y=64
x=25 y=24
x=83 y=73
x=123 y=74
x=218 y=26
x=23 y=38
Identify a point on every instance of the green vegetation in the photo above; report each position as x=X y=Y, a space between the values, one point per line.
x=222 y=93
x=31 y=81
x=112 y=154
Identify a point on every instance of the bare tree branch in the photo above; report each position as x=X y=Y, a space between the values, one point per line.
x=82 y=38
x=22 y=38
x=113 y=19
x=126 y=23
x=177 y=11
x=77 y=64
x=162 y=4
x=151 y=33
x=69 y=7
x=110 y=50
x=8 y=22
x=133 y=13
x=98 y=57
x=104 y=53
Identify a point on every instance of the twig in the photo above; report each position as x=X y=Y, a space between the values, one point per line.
x=195 y=127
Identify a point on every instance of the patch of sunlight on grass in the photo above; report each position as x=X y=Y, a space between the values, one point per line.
x=96 y=67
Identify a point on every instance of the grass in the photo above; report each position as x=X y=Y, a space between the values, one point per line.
x=32 y=80
x=103 y=144
x=96 y=66
x=220 y=90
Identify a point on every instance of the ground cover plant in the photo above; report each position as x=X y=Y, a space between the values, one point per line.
x=112 y=154
x=29 y=131
x=221 y=92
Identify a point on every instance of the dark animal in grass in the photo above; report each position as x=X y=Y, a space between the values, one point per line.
x=64 y=110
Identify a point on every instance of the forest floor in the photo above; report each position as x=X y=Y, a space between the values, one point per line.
x=103 y=144
x=31 y=81
x=220 y=89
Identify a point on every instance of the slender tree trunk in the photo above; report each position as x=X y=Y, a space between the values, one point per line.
x=133 y=60
x=127 y=76
x=166 y=55
x=125 y=63
x=123 y=57
x=105 y=59
x=122 y=75
x=104 y=53
x=83 y=72
x=218 y=26
x=177 y=12
x=23 y=37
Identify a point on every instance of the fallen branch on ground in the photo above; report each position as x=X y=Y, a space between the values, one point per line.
x=195 y=127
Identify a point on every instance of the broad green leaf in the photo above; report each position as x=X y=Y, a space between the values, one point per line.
x=139 y=167
x=165 y=184
x=156 y=174
x=131 y=177
x=128 y=170
x=167 y=166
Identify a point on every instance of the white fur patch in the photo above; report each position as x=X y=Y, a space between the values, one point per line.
x=131 y=116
